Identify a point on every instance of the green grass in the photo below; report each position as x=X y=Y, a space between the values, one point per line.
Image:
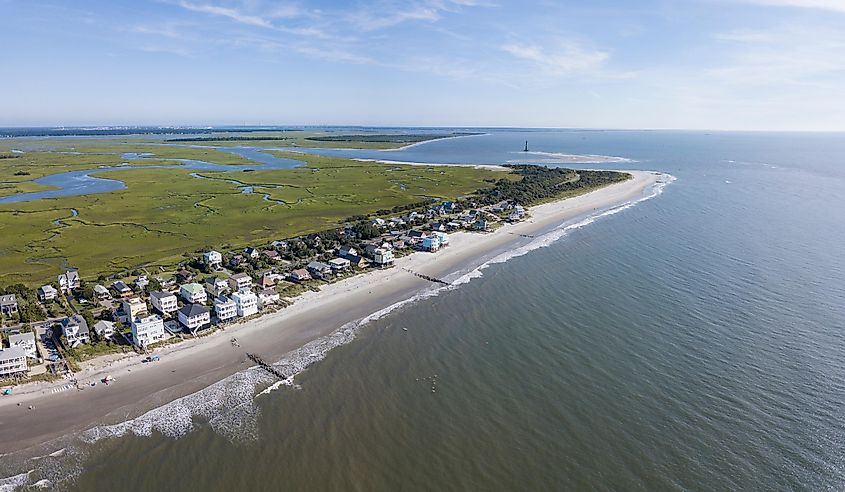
x=164 y=214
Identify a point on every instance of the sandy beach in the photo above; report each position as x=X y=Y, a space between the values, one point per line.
x=194 y=364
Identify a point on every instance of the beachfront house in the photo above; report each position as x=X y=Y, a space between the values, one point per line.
x=268 y=296
x=246 y=302
x=47 y=293
x=8 y=304
x=75 y=330
x=147 y=330
x=431 y=244
x=225 y=308
x=164 y=302
x=212 y=259
x=443 y=238
x=121 y=289
x=25 y=341
x=383 y=256
x=339 y=264
x=134 y=307
x=194 y=316
x=193 y=293
x=480 y=225
x=358 y=261
x=240 y=281
x=12 y=362
x=104 y=329
x=318 y=269
x=299 y=275
x=69 y=280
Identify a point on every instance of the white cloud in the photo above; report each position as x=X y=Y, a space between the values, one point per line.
x=231 y=13
x=783 y=56
x=381 y=15
x=569 y=59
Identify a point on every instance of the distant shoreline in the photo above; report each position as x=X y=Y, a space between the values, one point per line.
x=193 y=365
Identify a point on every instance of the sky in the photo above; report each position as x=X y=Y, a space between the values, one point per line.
x=673 y=64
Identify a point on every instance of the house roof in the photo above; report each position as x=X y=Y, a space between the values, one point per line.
x=339 y=261
x=103 y=325
x=21 y=337
x=269 y=292
x=99 y=289
x=239 y=276
x=121 y=286
x=193 y=288
x=76 y=320
x=8 y=299
x=318 y=265
x=48 y=288
x=300 y=272
x=161 y=295
x=12 y=353
x=193 y=310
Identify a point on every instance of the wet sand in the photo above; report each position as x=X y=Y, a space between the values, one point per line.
x=195 y=364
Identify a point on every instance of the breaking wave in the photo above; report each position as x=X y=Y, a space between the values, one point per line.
x=229 y=406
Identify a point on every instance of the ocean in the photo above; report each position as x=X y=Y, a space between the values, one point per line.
x=691 y=341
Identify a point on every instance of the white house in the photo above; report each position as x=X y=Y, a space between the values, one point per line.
x=246 y=302
x=193 y=293
x=383 y=256
x=240 y=281
x=164 y=302
x=47 y=293
x=104 y=329
x=225 y=308
x=25 y=341
x=69 y=280
x=252 y=252
x=12 y=362
x=194 y=316
x=216 y=284
x=147 y=330
x=212 y=259
x=339 y=264
x=75 y=330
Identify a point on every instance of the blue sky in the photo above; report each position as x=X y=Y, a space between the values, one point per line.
x=698 y=64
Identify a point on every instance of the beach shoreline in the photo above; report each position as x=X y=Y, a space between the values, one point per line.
x=194 y=364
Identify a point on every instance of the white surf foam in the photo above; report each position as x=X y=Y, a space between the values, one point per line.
x=14 y=482
x=229 y=407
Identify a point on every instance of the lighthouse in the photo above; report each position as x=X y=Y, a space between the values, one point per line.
x=526 y=146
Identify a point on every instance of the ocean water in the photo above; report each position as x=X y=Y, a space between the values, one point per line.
x=692 y=341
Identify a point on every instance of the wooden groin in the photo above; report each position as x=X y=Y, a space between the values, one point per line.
x=266 y=366
x=426 y=277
